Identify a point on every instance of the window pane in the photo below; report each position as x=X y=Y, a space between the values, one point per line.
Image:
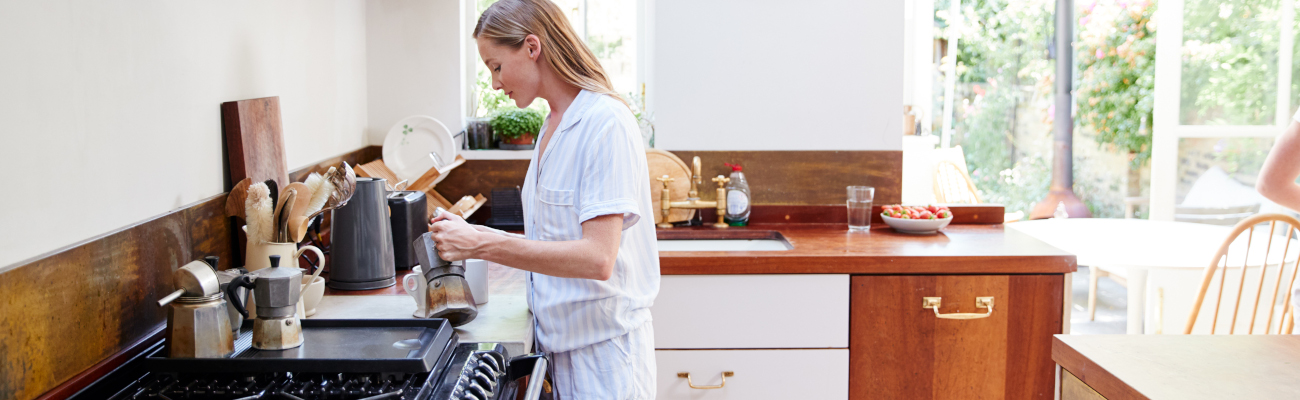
x=611 y=35
x=1229 y=62
x=1220 y=172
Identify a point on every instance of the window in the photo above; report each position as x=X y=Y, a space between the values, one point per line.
x=609 y=27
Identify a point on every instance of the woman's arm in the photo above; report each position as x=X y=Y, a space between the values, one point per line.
x=591 y=257
x=1277 y=177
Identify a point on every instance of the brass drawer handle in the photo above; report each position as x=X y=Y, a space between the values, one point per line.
x=687 y=375
x=980 y=302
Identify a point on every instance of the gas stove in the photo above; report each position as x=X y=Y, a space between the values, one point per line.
x=479 y=371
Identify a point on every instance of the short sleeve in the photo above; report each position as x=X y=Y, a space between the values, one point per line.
x=612 y=178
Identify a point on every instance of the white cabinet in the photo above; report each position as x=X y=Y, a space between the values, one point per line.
x=757 y=374
x=752 y=311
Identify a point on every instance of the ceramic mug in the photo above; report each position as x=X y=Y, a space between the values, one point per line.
x=417 y=287
x=476 y=272
x=258 y=255
x=313 y=288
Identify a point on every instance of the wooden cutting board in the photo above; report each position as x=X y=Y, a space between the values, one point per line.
x=664 y=163
x=254 y=140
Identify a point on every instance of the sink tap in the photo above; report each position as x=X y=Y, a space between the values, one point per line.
x=693 y=201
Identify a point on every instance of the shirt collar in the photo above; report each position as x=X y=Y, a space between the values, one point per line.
x=576 y=110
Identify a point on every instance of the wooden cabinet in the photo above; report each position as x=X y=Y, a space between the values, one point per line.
x=901 y=350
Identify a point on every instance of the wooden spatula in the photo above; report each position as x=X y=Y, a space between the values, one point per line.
x=235 y=200
x=296 y=212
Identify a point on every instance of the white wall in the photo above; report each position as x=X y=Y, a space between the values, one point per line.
x=110 y=110
x=777 y=75
x=416 y=62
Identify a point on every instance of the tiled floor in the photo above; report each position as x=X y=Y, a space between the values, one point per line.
x=1112 y=306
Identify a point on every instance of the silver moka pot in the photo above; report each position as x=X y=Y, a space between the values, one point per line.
x=448 y=294
x=198 y=324
x=276 y=291
x=361 y=240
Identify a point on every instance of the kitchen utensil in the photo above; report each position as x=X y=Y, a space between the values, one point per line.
x=254 y=139
x=235 y=200
x=410 y=218
x=276 y=291
x=282 y=215
x=418 y=288
x=662 y=163
x=448 y=295
x=337 y=187
x=417 y=143
x=916 y=226
x=476 y=275
x=361 y=247
x=225 y=277
x=296 y=218
x=259 y=209
x=256 y=256
x=198 y=324
x=273 y=189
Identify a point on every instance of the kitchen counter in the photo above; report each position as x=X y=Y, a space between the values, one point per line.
x=1178 y=366
x=832 y=249
x=505 y=318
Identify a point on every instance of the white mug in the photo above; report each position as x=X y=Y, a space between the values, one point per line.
x=476 y=272
x=417 y=287
x=257 y=255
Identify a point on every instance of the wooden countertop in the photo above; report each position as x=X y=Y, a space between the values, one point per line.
x=1183 y=366
x=832 y=249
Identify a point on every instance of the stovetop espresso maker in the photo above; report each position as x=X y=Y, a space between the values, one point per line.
x=276 y=292
x=448 y=294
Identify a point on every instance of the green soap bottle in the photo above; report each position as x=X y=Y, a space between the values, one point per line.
x=738 y=200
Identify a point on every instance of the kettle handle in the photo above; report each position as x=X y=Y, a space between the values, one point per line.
x=243 y=281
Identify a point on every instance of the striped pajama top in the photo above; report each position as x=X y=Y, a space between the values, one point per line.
x=594 y=165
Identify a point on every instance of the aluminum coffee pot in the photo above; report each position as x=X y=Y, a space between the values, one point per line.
x=276 y=291
x=198 y=324
x=448 y=294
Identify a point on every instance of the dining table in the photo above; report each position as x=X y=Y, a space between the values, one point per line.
x=1141 y=247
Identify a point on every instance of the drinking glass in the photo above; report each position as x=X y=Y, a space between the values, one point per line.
x=860 y=198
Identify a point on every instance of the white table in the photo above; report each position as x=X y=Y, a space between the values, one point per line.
x=1139 y=246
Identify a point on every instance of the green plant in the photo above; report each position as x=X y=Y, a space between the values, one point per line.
x=515 y=123
x=1116 y=56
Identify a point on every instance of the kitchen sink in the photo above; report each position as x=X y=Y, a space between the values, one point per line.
x=737 y=240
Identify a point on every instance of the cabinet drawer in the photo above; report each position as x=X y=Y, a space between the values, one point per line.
x=758 y=374
x=752 y=311
x=901 y=350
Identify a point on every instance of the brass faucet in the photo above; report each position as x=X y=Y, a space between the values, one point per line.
x=693 y=201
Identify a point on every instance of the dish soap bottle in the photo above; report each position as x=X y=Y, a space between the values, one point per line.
x=737 y=198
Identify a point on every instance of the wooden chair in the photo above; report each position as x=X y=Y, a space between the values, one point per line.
x=1281 y=227
x=952 y=185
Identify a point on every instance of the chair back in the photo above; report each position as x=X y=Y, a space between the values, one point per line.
x=952 y=185
x=1271 y=258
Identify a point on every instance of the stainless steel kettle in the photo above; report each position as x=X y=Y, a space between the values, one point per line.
x=361 y=240
x=276 y=291
x=198 y=324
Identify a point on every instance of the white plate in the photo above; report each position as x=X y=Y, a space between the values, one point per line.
x=409 y=143
x=919 y=226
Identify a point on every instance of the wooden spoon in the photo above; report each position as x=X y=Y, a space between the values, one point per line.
x=296 y=212
x=235 y=200
x=281 y=217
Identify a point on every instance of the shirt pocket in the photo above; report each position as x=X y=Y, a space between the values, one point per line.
x=557 y=217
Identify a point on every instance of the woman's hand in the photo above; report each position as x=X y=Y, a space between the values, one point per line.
x=456 y=239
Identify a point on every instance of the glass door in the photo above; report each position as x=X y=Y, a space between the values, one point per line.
x=1223 y=90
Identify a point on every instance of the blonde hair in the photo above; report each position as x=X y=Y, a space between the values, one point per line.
x=509 y=22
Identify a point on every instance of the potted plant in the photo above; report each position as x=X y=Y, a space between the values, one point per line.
x=517 y=128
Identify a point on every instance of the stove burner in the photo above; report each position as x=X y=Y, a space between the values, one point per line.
x=282 y=385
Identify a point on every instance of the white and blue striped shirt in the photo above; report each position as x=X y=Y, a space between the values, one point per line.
x=594 y=165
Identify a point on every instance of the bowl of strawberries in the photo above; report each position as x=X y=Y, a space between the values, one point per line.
x=916 y=219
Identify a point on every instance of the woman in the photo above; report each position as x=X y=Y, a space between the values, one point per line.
x=590 y=238
x=1277 y=178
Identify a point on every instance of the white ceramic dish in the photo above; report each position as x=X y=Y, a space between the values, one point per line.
x=916 y=226
x=409 y=143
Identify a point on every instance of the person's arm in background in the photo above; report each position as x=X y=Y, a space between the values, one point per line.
x=1277 y=179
